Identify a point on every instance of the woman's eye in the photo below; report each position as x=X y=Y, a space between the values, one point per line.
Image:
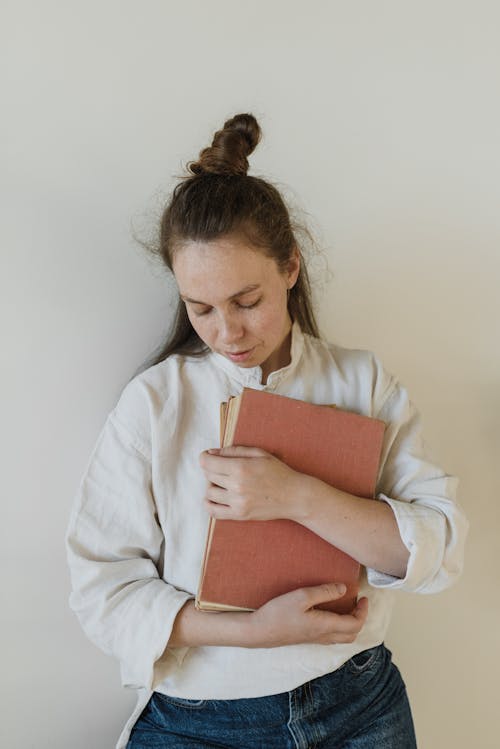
x=249 y=306
x=203 y=312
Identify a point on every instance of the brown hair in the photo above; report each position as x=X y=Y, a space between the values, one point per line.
x=218 y=198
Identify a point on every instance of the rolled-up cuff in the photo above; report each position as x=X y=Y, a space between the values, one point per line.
x=423 y=532
x=151 y=625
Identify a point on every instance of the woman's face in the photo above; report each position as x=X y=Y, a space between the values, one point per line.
x=236 y=300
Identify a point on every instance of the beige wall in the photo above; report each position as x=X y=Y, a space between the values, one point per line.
x=382 y=120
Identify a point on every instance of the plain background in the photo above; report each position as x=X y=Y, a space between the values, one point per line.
x=382 y=121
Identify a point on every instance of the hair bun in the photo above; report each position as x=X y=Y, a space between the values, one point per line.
x=230 y=148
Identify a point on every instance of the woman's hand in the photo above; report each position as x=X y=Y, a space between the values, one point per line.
x=291 y=619
x=247 y=483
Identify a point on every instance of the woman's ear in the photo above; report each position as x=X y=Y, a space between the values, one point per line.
x=293 y=268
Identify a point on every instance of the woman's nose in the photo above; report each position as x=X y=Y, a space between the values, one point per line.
x=230 y=329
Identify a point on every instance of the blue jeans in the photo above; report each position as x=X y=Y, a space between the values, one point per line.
x=362 y=705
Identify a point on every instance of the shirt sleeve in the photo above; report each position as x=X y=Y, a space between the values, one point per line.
x=422 y=496
x=114 y=546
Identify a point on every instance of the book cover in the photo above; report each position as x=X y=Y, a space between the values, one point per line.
x=246 y=563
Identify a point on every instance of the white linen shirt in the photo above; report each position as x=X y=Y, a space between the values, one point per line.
x=137 y=531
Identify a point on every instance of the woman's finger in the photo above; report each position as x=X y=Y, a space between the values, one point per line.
x=239 y=451
x=347 y=624
x=316 y=594
x=217 y=494
x=213 y=463
x=218 y=479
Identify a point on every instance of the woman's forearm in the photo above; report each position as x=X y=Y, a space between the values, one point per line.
x=366 y=529
x=289 y=619
x=196 y=628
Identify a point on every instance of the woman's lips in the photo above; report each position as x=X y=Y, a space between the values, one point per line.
x=239 y=356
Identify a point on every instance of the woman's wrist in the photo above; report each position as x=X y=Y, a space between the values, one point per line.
x=194 y=628
x=302 y=499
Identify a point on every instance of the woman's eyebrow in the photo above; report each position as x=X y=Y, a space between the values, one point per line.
x=246 y=290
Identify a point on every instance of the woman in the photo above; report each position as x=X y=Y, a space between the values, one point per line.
x=288 y=674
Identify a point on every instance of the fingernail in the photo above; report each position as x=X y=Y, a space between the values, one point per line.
x=213 y=451
x=341 y=588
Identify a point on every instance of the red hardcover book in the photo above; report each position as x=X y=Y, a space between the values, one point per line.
x=246 y=563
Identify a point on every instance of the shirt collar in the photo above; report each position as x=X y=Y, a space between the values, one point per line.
x=252 y=376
